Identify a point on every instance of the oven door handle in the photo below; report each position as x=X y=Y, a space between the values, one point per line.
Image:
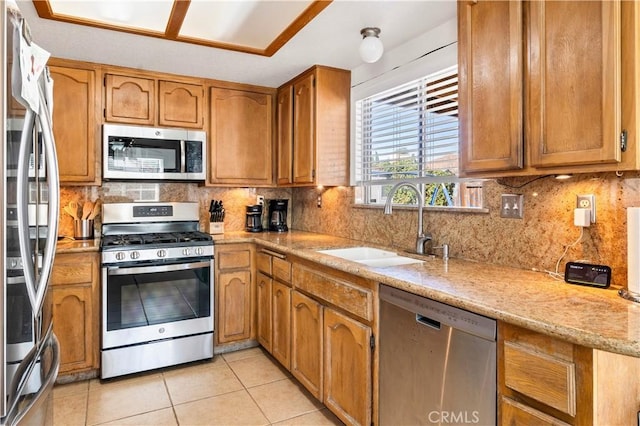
x=116 y=270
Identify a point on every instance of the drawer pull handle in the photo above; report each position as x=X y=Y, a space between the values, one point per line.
x=421 y=319
x=273 y=253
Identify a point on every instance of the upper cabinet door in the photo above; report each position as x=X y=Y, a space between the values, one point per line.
x=74 y=124
x=284 y=118
x=574 y=82
x=241 y=137
x=490 y=62
x=181 y=104
x=304 y=130
x=130 y=99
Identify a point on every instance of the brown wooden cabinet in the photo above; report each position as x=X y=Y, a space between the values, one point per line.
x=76 y=100
x=313 y=128
x=264 y=326
x=333 y=320
x=153 y=100
x=347 y=368
x=241 y=137
x=307 y=352
x=541 y=86
x=234 y=293
x=274 y=305
x=547 y=381
x=281 y=324
x=75 y=291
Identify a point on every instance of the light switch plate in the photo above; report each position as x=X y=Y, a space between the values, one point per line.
x=511 y=206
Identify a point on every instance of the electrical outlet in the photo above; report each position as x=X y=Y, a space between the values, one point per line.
x=260 y=200
x=319 y=201
x=588 y=202
x=512 y=206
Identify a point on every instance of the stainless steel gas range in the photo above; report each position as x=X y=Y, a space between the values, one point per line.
x=157 y=287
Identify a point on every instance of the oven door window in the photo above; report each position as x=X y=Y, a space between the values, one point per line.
x=150 y=296
x=144 y=155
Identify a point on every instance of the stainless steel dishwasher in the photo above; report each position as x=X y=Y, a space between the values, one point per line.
x=437 y=363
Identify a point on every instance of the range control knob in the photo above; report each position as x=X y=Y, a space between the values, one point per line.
x=161 y=253
x=186 y=251
x=120 y=255
x=199 y=251
x=134 y=255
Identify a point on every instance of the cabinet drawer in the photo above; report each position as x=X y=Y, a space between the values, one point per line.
x=513 y=412
x=281 y=270
x=263 y=261
x=233 y=259
x=72 y=269
x=351 y=298
x=541 y=376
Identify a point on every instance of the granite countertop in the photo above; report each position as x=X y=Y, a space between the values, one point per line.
x=592 y=317
x=69 y=245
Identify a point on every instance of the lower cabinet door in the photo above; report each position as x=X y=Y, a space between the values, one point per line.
x=347 y=368
x=515 y=413
x=306 y=342
x=281 y=333
x=73 y=325
x=234 y=306
x=263 y=308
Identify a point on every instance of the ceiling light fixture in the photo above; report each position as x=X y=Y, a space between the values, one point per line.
x=371 y=47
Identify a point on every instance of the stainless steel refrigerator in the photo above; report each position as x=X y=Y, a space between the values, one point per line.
x=29 y=209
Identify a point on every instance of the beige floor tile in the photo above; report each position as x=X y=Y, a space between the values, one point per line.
x=164 y=417
x=257 y=370
x=243 y=354
x=126 y=397
x=201 y=381
x=77 y=388
x=70 y=410
x=323 y=417
x=283 y=400
x=236 y=408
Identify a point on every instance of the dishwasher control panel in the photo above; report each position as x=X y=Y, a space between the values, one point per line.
x=429 y=311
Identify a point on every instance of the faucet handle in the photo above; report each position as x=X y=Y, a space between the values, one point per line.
x=445 y=250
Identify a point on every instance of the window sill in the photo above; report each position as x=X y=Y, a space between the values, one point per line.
x=474 y=210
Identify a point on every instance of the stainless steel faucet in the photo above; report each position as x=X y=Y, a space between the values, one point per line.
x=422 y=238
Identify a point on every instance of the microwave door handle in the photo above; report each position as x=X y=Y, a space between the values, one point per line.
x=183 y=157
x=22 y=185
x=53 y=180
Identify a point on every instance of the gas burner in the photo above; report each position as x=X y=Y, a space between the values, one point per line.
x=121 y=240
x=185 y=237
x=159 y=238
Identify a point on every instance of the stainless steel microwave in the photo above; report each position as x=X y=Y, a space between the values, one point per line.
x=149 y=153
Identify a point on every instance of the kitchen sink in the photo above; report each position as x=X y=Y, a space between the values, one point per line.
x=371 y=256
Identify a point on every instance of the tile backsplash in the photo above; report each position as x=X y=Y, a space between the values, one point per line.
x=535 y=242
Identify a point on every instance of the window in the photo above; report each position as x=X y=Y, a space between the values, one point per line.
x=410 y=133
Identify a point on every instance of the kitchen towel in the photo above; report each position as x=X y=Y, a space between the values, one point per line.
x=633 y=250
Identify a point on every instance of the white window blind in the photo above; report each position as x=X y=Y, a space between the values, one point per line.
x=409 y=132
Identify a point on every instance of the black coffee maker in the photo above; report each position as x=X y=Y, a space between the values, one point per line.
x=278 y=215
x=254 y=218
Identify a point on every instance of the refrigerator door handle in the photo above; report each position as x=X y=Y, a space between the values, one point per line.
x=53 y=180
x=17 y=411
x=36 y=288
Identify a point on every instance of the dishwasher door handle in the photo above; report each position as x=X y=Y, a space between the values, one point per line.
x=421 y=319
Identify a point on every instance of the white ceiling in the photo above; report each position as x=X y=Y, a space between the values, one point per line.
x=331 y=38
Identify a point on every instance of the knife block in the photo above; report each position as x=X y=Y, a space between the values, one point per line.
x=216 y=228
